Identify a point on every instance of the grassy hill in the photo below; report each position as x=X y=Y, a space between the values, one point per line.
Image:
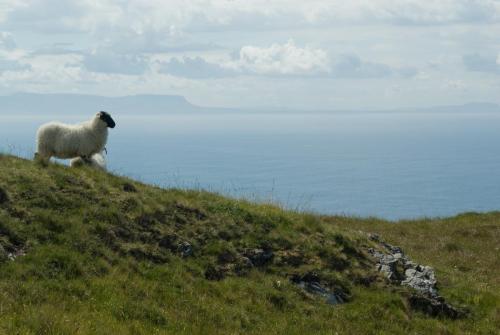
x=86 y=252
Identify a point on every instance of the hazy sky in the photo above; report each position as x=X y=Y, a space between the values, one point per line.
x=315 y=54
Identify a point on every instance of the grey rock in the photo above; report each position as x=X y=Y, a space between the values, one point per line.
x=310 y=282
x=185 y=249
x=398 y=268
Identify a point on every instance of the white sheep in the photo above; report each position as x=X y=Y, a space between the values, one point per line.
x=96 y=161
x=65 y=141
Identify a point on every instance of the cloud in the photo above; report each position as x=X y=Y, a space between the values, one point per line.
x=6 y=41
x=481 y=63
x=56 y=49
x=110 y=46
x=351 y=66
x=12 y=65
x=10 y=56
x=286 y=59
x=46 y=16
x=159 y=16
x=281 y=59
x=110 y=62
x=196 y=68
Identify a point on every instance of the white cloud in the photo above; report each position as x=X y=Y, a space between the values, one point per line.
x=195 y=67
x=281 y=59
x=175 y=16
x=353 y=48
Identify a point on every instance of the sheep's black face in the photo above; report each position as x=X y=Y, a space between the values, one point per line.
x=107 y=118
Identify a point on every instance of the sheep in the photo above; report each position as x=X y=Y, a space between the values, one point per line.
x=65 y=141
x=96 y=161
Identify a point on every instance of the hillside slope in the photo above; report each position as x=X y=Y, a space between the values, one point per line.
x=86 y=252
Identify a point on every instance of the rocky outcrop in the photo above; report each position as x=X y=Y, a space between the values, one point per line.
x=399 y=269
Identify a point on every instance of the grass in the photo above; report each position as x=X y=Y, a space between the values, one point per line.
x=100 y=254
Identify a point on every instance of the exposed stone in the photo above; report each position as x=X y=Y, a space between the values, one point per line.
x=185 y=249
x=311 y=283
x=399 y=269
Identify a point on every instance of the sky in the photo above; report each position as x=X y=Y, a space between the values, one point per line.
x=293 y=54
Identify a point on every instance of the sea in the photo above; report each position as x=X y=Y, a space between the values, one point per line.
x=391 y=165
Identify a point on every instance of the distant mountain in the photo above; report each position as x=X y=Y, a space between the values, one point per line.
x=476 y=107
x=32 y=103
x=79 y=103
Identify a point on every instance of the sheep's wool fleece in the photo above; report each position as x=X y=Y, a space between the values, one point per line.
x=67 y=141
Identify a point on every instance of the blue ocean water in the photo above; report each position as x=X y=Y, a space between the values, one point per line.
x=390 y=165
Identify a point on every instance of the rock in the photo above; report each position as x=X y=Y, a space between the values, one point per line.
x=410 y=272
x=259 y=257
x=398 y=268
x=310 y=282
x=398 y=255
x=185 y=249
